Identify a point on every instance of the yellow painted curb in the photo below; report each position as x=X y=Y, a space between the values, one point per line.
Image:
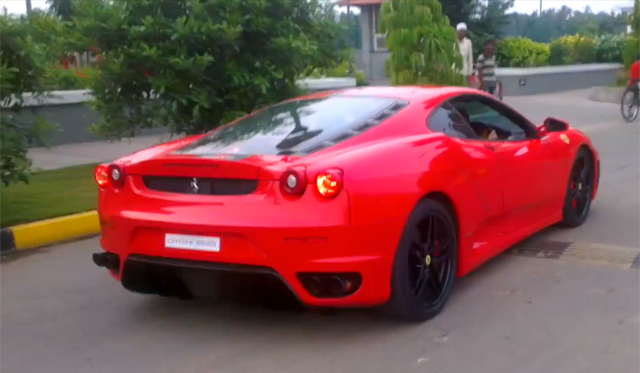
x=50 y=231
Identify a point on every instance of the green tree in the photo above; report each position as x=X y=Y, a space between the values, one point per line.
x=489 y=20
x=353 y=31
x=329 y=35
x=62 y=8
x=554 y=23
x=204 y=62
x=490 y=17
x=632 y=48
x=422 y=42
x=49 y=31
x=634 y=19
x=22 y=63
x=458 y=10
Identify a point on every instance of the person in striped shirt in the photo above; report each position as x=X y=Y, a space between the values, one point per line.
x=486 y=66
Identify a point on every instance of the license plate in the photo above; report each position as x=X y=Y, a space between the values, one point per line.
x=189 y=242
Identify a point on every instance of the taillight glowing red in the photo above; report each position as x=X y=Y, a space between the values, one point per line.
x=329 y=183
x=294 y=181
x=102 y=176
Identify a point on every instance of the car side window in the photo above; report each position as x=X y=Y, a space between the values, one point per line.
x=447 y=119
x=490 y=122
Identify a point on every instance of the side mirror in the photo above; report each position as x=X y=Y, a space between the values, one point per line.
x=555 y=125
x=552 y=125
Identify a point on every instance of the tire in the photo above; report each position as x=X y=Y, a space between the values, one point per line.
x=634 y=106
x=577 y=202
x=441 y=263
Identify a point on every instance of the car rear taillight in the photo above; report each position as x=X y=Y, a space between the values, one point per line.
x=294 y=181
x=329 y=183
x=109 y=176
x=101 y=175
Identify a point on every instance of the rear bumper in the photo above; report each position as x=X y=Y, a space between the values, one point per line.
x=285 y=249
x=171 y=277
x=290 y=263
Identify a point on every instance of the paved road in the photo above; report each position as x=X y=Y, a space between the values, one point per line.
x=61 y=314
x=615 y=218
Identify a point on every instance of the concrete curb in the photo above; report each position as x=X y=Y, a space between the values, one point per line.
x=50 y=231
x=611 y=95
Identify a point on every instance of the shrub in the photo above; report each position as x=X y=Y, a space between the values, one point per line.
x=58 y=78
x=422 y=43
x=631 y=51
x=559 y=54
x=22 y=62
x=522 y=52
x=207 y=62
x=610 y=48
x=573 y=49
x=564 y=52
x=585 y=50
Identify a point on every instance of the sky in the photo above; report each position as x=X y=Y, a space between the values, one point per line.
x=521 y=6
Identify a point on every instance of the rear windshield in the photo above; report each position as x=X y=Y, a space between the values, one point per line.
x=290 y=127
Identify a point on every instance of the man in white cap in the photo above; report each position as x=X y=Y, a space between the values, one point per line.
x=466 y=49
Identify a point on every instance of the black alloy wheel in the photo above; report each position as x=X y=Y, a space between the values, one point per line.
x=580 y=190
x=430 y=259
x=425 y=264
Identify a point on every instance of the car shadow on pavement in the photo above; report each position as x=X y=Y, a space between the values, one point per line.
x=220 y=317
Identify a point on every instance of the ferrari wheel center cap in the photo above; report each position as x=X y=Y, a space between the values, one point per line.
x=428 y=260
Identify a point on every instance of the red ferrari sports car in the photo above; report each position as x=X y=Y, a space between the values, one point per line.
x=377 y=196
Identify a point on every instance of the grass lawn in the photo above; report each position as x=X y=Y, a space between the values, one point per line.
x=49 y=194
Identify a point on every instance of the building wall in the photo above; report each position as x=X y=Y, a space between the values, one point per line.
x=533 y=81
x=377 y=63
x=365 y=25
x=368 y=60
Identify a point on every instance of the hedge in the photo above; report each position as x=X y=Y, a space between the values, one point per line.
x=631 y=51
x=568 y=50
x=522 y=52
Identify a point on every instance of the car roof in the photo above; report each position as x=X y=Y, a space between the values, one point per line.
x=408 y=93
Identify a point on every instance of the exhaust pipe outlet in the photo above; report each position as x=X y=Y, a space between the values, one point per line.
x=106 y=260
x=99 y=260
x=337 y=286
x=314 y=284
